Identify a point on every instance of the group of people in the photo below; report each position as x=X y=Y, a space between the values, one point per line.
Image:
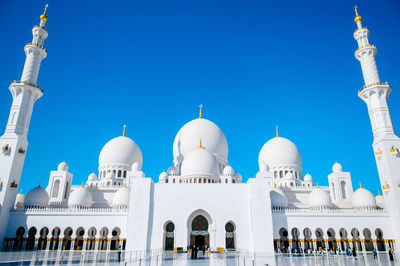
x=195 y=249
x=332 y=252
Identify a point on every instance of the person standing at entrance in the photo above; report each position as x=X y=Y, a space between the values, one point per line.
x=375 y=254
x=192 y=255
x=119 y=253
x=204 y=249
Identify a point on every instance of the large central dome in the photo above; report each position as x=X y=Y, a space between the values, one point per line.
x=211 y=135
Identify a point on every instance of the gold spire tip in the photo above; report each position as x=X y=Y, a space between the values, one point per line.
x=379 y=192
x=82 y=184
x=44 y=15
x=200 y=145
x=201 y=111
x=40 y=183
x=358 y=17
x=20 y=191
x=317 y=185
x=123 y=132
x=277 y=131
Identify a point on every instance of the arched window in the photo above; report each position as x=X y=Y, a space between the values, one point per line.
x=103 y=238
x=66 y=245
x=295 y=238
x=319 y=234
x=369 y=246
x=54 y=242
x=229 y=236
x=332 y=239
x=19 y=238
x=344 y=243
x=169 y=236
x=115 y=238
x=379 y=240
x=91 y=239
x=124 y=174
x=30 y=243
x=56 y=187
x=119 y=173
x=343 y=189
x=356 y=239
x=284 y=241
x=308 y=244
x=66 y=190
x=42 y=243
x=79 y=239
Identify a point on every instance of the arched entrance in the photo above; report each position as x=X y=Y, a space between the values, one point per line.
x=199 y=235
x=169 y=236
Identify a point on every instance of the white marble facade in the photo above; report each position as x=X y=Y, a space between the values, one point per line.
x=201 y=199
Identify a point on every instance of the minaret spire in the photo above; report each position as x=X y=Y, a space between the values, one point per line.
x=358 y=18
x=201 y=111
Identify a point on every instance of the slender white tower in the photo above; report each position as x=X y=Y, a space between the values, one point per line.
x=386 y=144
x=14 y=142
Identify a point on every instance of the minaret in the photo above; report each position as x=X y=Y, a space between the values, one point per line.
x=14 y=142
x=386 y=144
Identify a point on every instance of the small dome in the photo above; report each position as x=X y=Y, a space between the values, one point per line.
x=63 y=166
x=319 y=198
x=110 y=175
x=228 y=170
x=172 y=170
x=37 y=197
x=121 y=198
x=280 y=152
x=20 y=200
x=200 y=161
x=337 y=168
x=264 y=167
x=80 y=197
x=380 y=201
x=163 y=176
x=278 y=198
x=308 y=178
x=362 y=198
x=92 y=177
x=188 y=137
x=120 y=151
x=135 y=167
x=289 y=176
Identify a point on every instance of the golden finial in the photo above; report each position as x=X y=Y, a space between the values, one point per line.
x=123 y=132
x=360 y=185
x=200 y=145
x=20 y=191
x=40 y=183
x=44 y=15
x=379 y=192
x=357 y=18
x=276 y=129
x=82 y=184
x=317 y=185
x=201 y=111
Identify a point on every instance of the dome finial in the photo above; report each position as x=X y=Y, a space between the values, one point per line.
x=317 y=185
x=123 y=132
x=277 y=132
x=379 y=192
x=201 y=111
x=20 y=191
x=44 y=15
x=200 y=145
x=357 y=18
x=360 y=185
x=82 y=184
x=40 y=183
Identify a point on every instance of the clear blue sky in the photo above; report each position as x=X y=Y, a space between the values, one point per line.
x=149 y=64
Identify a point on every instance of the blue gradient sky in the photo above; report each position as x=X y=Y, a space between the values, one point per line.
x=149 y=64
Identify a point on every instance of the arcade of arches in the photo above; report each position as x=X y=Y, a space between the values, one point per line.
x=330 y=240
x=69 y=239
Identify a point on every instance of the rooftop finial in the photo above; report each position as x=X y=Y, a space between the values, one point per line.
x=317 y=185
x=379 y=192
x=277 y=133
x=82 y=184
x=40 y=183
x=44 y=15
x=201 y=109
x=360 y=185
x=358 y=17
x=123 y=132
x=20 y=191
x=200 y=145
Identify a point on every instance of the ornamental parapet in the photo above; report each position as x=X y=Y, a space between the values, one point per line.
x=329 y=211
x=37 y=45
x=373 y=84
x=59 y=210
x=28 y=83
x=365 y=46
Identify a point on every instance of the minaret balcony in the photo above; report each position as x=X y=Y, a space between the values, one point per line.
x=28 y=83
x=373 y=85
x=37 y=45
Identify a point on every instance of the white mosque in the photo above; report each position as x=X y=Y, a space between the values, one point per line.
x=201 y=199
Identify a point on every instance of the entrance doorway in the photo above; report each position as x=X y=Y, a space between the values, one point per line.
x=200 y=236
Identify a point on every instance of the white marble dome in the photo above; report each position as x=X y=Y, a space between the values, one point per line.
x=337 y=168
x=37 y=197
x=280 y=152
x=308 y=178
x=63 y=166
x=120 y=151
x=200 y=161
x=172 y=170
x=319 y=198
x=264 y=167
x=20 y=200
x=380 y=201
x=121 y=198
x=278 y=198
x=163 y=176
x=363 y=198
x=92 y=177
x=80 y=197
x=228 y=171
x=212 y=137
